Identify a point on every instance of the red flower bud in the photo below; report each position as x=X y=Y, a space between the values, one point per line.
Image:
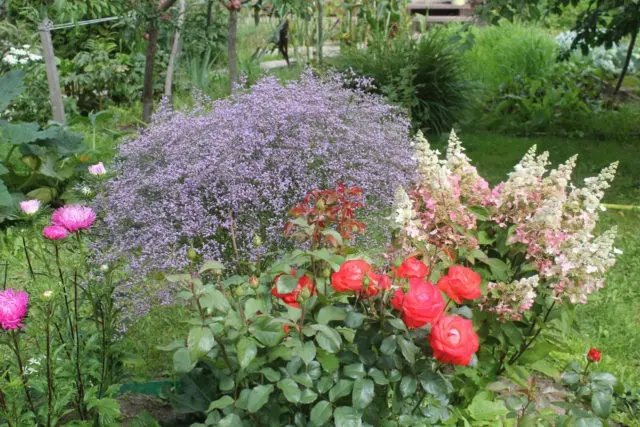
x=594 y=355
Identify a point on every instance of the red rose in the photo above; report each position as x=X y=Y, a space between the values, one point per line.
x=422 y=304
x=460 y=283
x=292 y=297
x=412 y=268
x=397 y=299
x=378 y=283
x=351 y=275
x=285 y=329
x=453 y=340
x=594 y=355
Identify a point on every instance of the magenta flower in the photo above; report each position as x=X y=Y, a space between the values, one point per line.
x=30 y=206
x=55 y=232
x=73 y=217
x=13 y=308
x=97 y=169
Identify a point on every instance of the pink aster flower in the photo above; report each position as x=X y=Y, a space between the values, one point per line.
x=55 y=232
x=97 y=169
x=73 y=217
x=13 y=308
x=30 y=207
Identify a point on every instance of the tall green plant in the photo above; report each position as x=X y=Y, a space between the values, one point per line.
x=425 y=76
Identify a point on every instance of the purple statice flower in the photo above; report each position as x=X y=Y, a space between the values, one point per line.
x=241 y=164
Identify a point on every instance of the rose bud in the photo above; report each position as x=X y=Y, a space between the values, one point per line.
x=594 y=355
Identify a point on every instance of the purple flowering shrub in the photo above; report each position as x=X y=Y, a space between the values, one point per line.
x=213 y=181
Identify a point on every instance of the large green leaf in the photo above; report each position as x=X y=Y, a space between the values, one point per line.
x=221 y=403
x=484 y=408
x=408 y=386
x=200 y=341
x=408 y=349
x=290 y=390
x=329 y=313
x=10 y=87
x=308 y=352
x=601 y=402
x=259 y=397
x=182 y=361
x=321 y=413
x=5 y=196
x=18 y=133
x=346 y=416
x=214 y=300
x=286 y=283
x=363 y=393
x=341 y=389
x=328 y=338
x=247 y=351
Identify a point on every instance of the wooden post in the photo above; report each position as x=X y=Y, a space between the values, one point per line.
x=55 y=94
x=175 y=48
x=320 y=34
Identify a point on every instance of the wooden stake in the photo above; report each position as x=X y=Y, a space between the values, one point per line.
x=55 y=94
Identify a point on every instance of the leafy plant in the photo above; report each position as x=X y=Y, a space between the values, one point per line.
x=424 y=76
x=38 y=163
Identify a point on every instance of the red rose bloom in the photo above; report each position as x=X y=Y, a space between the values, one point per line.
x=292 y=297
x=453 y=340
x=461 y=283
x=378 y=283
x=351 y=275
x=397 y=299
x=412 y=268
x=422 y=304
x=594 y=355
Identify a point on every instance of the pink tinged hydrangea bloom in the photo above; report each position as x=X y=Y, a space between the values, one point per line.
x=97 y=169
x=74 y=218
x=13 y=308
x=30 y=207
x=55 y=232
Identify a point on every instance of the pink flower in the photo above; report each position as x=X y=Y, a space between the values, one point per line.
x=13 y=308
x=30 y=206
x=55 y=232
x=97 y=169
x=73 y=218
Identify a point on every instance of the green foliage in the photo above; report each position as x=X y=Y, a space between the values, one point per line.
x=38 y=163
x=424 y=76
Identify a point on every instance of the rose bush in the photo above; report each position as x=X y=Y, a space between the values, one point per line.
x=390 y=337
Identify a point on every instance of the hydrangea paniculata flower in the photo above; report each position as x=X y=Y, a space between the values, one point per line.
x=538 y=208
x=13 y=308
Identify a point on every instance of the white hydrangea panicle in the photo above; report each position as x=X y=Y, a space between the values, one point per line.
x=579 y=269
x=511 y=300
x=558 y=179
x=589 y=196
x=428 y=160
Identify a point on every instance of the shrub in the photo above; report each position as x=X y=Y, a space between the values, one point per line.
x=425 y=76
x=221 y=181
x=326 y=336
x=506 y=52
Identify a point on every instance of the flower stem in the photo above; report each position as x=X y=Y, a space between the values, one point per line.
x=26 y=255
x=50 y=385
x=80 y=384
x=23 y=377
x=64 y=291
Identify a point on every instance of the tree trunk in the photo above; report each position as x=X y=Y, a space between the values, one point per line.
x=627 y=60
x=175 y=48
x=209 y=17
x=147 y=90
x=320 y=34
x=231 y=48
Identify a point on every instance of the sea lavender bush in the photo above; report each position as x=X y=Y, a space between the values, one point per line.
x=221 y=178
